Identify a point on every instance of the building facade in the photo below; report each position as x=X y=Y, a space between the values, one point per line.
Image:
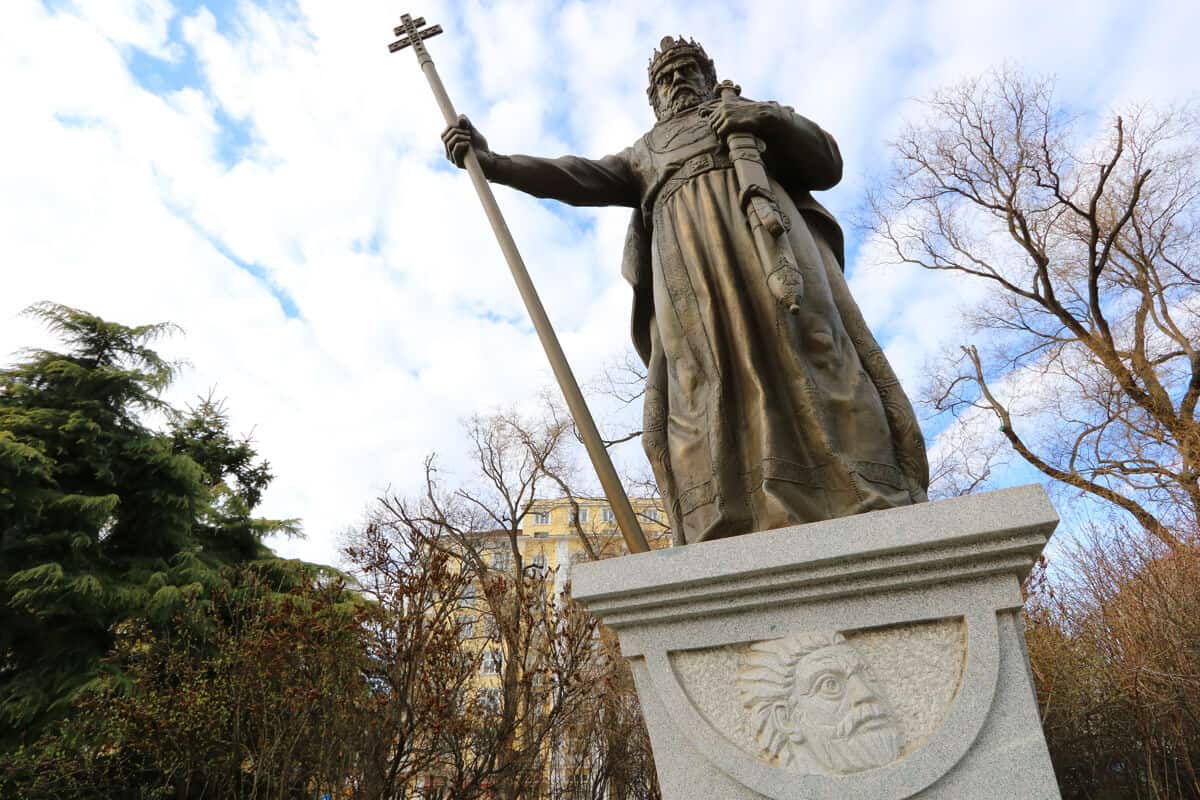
x=550 y=535
x=555 y=533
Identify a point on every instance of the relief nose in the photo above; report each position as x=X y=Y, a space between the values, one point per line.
x=857 y=691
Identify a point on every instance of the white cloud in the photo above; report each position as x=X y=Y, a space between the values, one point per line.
x=131 y=23
x=111 y=197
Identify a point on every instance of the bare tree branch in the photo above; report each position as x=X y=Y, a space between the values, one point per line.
x=1093 y=314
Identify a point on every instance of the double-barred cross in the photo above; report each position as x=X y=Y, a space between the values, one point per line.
x=410 y=30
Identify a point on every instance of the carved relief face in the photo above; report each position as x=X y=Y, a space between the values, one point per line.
x=841 y=717
x=678 y=86
x=808 y=692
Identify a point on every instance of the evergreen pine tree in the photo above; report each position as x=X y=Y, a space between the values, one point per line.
x=102 y=518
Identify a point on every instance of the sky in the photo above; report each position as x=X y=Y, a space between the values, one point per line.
x=265 y=175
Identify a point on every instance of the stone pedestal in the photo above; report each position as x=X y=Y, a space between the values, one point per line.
x=875 y=657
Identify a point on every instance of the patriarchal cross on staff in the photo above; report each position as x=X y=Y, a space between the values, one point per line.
x=412 y=35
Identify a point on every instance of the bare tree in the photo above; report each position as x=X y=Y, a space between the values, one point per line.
x=1086 y=346
x=414 y=663
x=965 y=457
x=623 y=379
x=603 y=752
x=538 y=646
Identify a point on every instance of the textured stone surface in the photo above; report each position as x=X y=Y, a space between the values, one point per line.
x=928 y=601
x=919 y=669
x=916 y=668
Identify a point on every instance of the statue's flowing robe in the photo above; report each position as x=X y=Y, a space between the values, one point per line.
x=755 y=417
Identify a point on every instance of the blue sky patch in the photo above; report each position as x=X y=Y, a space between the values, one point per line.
x=223 y=11
x=235 y=139
x=913 y=57
x=371 y=245
x=162 y=76
x=286 y=302
x=520 y=321
x=281 y=295
x=76 y=121
x=579 y=223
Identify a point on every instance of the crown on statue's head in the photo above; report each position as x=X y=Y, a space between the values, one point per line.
x=672 y=49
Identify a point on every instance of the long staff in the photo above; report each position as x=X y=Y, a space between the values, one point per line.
x=410 y=30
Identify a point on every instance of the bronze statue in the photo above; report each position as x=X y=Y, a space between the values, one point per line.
x=768 y=402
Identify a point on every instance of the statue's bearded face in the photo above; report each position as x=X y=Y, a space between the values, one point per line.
x=841 y=718
x=678 y=86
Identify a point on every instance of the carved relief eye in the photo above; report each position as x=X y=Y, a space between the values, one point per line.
x=830 y=687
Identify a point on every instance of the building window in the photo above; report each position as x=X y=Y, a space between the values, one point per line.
x=579 y=516
x=491 y=662
x=539 y=561
x=653 y=513
x=541 y=518
x=608 y=515
x=467 y=599
x=489 y=698
x=502 y=559
x=541 y=535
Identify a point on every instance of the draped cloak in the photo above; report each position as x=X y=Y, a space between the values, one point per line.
x=754 y=418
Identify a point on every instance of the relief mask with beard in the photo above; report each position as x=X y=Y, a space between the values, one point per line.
x=844 y=723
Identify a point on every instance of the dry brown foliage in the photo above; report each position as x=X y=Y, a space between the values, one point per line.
x=1114 y=643
x=561 y=704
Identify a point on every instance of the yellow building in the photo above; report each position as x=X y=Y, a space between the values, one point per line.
x=550 y=536
x=550 y=541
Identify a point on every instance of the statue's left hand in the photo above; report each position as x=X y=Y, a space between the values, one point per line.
x=761 y=119
x=461 y=137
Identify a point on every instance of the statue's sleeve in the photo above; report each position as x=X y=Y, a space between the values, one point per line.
x=803 y=155
x=607 y=181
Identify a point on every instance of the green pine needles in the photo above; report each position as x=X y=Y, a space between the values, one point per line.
x=104 y=518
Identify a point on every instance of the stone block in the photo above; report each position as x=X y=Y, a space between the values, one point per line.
x=875 y=657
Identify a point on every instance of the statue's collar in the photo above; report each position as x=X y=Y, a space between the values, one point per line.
x=687 y=128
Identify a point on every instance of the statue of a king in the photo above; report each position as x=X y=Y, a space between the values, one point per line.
x=758 y=414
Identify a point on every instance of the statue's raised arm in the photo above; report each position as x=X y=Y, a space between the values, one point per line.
x=607 y=181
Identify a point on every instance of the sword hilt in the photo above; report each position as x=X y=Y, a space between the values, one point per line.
x=746 y=147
